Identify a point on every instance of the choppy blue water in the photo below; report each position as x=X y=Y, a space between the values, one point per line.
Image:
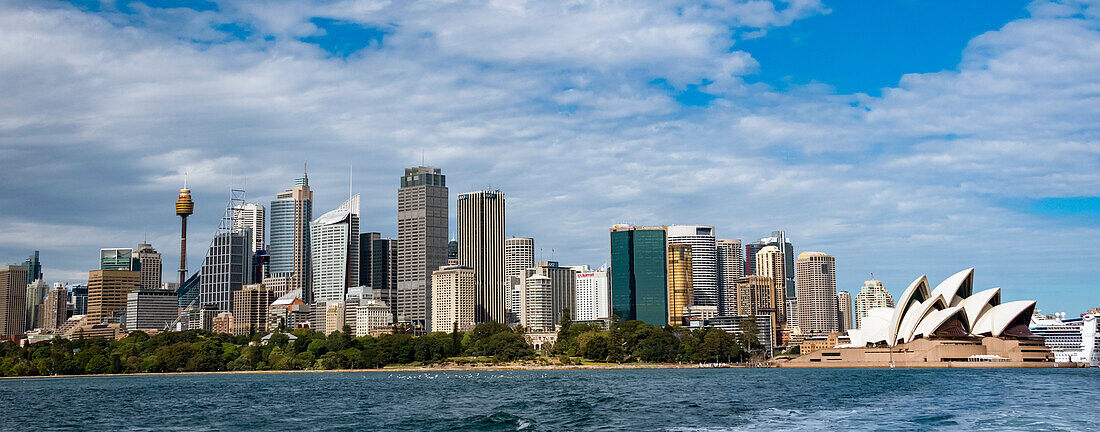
x=670 y=400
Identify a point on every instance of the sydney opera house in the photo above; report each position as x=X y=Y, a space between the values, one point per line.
x=949 y=326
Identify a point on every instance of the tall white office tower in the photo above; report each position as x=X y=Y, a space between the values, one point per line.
x=253 y=217
x=731 y=267
x=334 y=251
x=593 y=293
x=704 y=260
x=481 y=247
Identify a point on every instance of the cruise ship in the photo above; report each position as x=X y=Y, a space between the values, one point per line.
x=1070 y=339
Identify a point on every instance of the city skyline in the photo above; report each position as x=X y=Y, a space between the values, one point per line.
x=907 y=164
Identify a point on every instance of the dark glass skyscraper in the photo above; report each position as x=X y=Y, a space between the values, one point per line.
x=639 y=277
x=34 y=268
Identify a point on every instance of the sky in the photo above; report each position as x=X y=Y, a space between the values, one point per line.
x=904 y=138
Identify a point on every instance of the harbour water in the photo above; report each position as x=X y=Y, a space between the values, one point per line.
x=665 y=399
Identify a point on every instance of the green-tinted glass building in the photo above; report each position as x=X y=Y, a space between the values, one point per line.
x=639 y=277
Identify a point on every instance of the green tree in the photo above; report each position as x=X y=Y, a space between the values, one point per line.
x=97 y=365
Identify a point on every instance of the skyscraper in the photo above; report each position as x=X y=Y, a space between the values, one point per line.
x=756 y=296
x=844 y=311
x=117 y=259
x=537 y=304
x=422 y=234
x=34 y=267
x=816 y=273
x=638 y=274
x=366 y=258
x=593 y=293
x=481 y=247
x=150 y=309
x=519 y=255
x=253 y=217
x=779 y=240
x=872 y=295
x=250 y=309
x=36 y=295
x=704 y=261
x=13 y=300
x=563 y=287
x=731 y=266
x=227 y=268
x=151 y=267
x=679 y=281
x=452 y=252
x=53 y=310
x=334 y=245
x=291 y=213
x=770 y=263
x=384 y=269
x=107 y=291
x=453 y=291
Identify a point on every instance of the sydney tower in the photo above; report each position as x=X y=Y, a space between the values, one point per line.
x=184 y=208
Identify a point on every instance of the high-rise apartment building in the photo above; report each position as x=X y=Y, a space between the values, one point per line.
x=366 y=258
x=13 y=300
x=152 y=269
x=563 y=287
x=422 y=234
x=226 y=269
x=639 y=276
x=36 y=295
x=53 y=313
x=844 y=311
x=289 y=249
x=253 y=217
x=481 y=247
x=34 y=267
x=704 y=260
x=150 y=309
x=679 y=281
x=731 y=267
x=250 y=309
x=816 y=273
x=593 y=293
x=537 y=304
x=334 y=245
x=107 y=291
x=872 y=295
x=454 y=290
x=770 y=263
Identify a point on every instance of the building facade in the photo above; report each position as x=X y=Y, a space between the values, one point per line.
x=704 y=260
x=227 y=268
x=563 y=287
x=117 y=259
x=844 y=311
x=13 y=300
x=679 y=281
x=639 y=289
x=816 y=273
x=54 y=309
x=454 y=290
x=250 y=308
x=481 y=247
x=770 y=263
x=366 y=257
x=872 y=295
x=153 y=309
x=151 y=267
x=254 y=218
x=289 y=248
x=537 y=304
x=519 y=255
x=593 y=293
x=731 y=266
x=36 y=295
x=107 y=291
x=372 y=316
x=334 y=246
x=422 y=235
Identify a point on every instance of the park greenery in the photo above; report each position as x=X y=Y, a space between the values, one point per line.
x=202 y=351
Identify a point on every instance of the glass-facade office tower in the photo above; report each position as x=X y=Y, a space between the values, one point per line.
x=638 y=274
x=366 y=258
x=384 y=268
x=288 y=252
x=226 y=269
x=704 y=261
x=34 y=267
x=679 y=281
x=117 y=259
x=817 y=293
x=422 y=234
x=334 y=246
x=481 y=247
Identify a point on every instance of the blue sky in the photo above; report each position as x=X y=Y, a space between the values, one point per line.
x=905 y=137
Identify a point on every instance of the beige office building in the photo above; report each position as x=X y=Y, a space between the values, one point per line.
x=250 y=308
x=815 y=275
x=481 y=247
x=373 y=317
x=872 y=295
x=844 y=311
x=769 y=262
x=54 y=308
x=13 y=301
x=107 y=291
x=731 y=267
x=422 y=236
x=454 y=291
x=151 y=267
x=679 y=281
